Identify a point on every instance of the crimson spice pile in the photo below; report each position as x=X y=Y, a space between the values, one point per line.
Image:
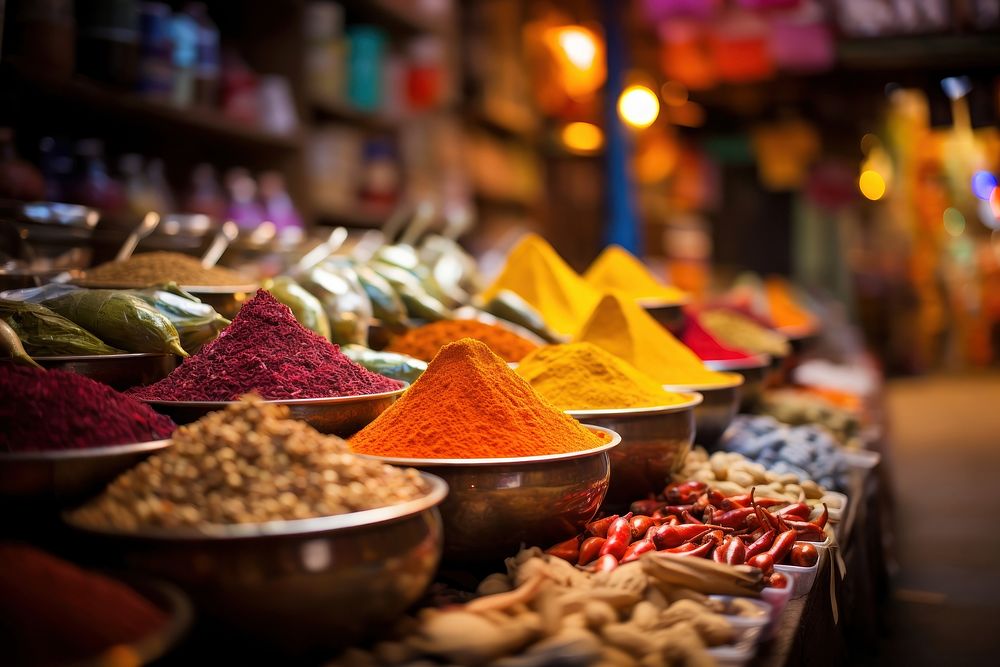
x=693 y=520
x=266 y=351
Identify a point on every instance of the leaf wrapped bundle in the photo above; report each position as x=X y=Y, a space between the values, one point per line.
x=45 y=333
x=197 y=323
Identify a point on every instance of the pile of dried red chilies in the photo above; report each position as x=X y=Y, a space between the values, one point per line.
x=694 y=520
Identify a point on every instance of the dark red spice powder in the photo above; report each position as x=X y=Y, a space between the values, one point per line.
x=54 y=613
x=52 y=410
x=707 y=346
x=265 y=350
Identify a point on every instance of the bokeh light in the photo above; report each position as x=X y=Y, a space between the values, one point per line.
x=582 y=137
x=983 y=184
x=638 y=106
x=872 y=184
x=954 y=221
x=868 y=142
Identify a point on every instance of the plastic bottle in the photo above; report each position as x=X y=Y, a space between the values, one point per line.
x=278 y=205
x=366 y=51
x=156 y=70
x=184 y=32
x=325 y=50
x=207 y=59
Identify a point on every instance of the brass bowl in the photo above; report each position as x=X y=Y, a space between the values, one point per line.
x=670 y=314
x=296 y=585
x=339 y=415
x=59 y=479
x=717 y=410
x=754 y=370
x=655 y=442
x=121 y=371
x=496 y=505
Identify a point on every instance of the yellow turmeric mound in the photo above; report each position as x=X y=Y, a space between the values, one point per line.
x=618 y=269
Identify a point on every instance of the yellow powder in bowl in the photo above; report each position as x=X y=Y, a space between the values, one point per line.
x=618 y=269
x=582 y=376
x=536 y=273
x=623 y=328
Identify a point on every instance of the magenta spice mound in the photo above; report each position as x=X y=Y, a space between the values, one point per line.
x=265 y=350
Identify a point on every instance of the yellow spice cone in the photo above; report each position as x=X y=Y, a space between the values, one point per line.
x=616 y=269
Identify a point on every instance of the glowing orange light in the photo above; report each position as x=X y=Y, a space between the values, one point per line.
x=638 y=106
x=582 y=137
x=579 y=54
x=872 y=185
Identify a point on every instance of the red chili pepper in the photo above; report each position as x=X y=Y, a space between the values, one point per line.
x=684 y=493
x=804 y=554
x=640 y=524
x=719 y=555
x=684 y=548
x=701 y=551
x=708 y=513
x=779 y=523
x=619 y=537
x=742 y=500
x=820 y=521
x=795 y=511
x=736 y=518
x=671 y=521
x=777 y=580
x=599 y=528
x=568 y=550
x=735 y=552
x=701 y=503
x=689 y=518
x=605 y=563
x=764 y=562
x=782 y=545
x=590 y=549
x=770 y=502
x=728 y=504
x=810 y=533
x=675 y=510
x=646 y=507
x=760 y=545
x=715 y=497
x=668 y=536
x=715 y=536
x=636 y=549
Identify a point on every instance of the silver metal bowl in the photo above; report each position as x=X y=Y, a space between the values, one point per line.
x=339 y=415
x=295 y=585
x=670 y=314
x=716 y=411
x=64 y=478
x=655 y=442
x=754 y=370
x=121 y=371
x=497 y=504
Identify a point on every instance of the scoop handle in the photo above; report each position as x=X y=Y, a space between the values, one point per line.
x=141 y=231
x=227 y=234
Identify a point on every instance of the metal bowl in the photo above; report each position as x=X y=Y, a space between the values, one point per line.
x=716 y=411
x=496 y=505
x=655 y=442
x=339 y=415
x=64 y=478
x=670 y=314
x=121 y=371
x=755 y=371
x=296 y=585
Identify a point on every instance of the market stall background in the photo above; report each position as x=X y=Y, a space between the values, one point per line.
x=688 y=209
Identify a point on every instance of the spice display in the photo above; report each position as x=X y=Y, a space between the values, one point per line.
x=536 y=273
x=783 y=306
x=468 y=404
x=707 y=346
x=156 y=268
x=808 y=451
x=544 y=611
x=424 y=342
x=197 y=323
x=624 y=329
x=810 y=406
x=249 y=463
x=736 y=330
x=304 y=306
x=692 y=520
x=616 y=269
x=733 y=474
x=53 y=410
x=509 y=306
x=582 y=376
x=339 y=291
x=265 y=350
x=390 y=364
x=11 y=347
x=54 y=613
x=44 y=333
x=119 y=318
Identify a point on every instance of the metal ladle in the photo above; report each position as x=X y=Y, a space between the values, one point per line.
x=141 y=231
x=226 y=235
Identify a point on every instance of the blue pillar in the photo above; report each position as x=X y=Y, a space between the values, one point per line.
x=622 y=224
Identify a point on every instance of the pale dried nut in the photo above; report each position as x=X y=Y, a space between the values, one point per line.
x=627 y=637
x=645 y=615
x=493 y=584
x=599 y=614
x=719 y=465
x=741 y=477
x=467 y=638
x=832 y=502
x=682 y=645
x=612 y=656
x=564 y=574
x=656 y=597
x=654 y=659
x=682 y=610
x=743 y=607
x=619 y=599
x=811 y=489
x=759 y=473
x=570 y=647
x=576 y=620
x=703 y=475
x=713 y=628
x=728 y=488
x=502 y=601
x=551 y=606
x=771 y=477
x=796 y=491
x=628 y=577
x=788 y=478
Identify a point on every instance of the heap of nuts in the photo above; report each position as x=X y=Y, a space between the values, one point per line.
x=249 y=463
x=544 y=611
x=733 y=474
x=691 y=520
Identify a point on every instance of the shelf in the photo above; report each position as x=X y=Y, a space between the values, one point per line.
x=397 y=16
x=343 y=112
x=78 y=93
x=931 y=51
